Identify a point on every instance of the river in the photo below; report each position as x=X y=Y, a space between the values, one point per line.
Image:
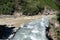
x=34 y=30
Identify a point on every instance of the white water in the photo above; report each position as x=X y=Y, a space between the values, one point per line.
x=34 y=30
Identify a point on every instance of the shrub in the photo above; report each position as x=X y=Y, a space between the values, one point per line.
x=6 y=6
x=31 y=7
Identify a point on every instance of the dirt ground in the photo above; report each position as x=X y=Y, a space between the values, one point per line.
x=20 y=20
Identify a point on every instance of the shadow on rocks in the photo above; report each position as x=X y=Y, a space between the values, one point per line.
x=5 y=31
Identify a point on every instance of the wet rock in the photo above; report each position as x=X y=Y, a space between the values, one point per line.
x=47 y=33
x=56 y=25
x=5 y=31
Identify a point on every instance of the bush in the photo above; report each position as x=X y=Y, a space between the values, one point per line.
x=6 y=6
x=31 y=7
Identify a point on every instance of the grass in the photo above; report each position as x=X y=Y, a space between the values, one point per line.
x=52 y=4
x=49 y=3
x=43 y=3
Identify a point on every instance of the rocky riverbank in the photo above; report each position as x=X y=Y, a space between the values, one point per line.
x=54 y=24
x=7 y=29
x=8 y=33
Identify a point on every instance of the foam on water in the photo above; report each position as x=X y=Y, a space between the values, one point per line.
x=34 y=30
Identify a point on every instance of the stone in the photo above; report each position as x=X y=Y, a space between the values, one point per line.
x=56 y=25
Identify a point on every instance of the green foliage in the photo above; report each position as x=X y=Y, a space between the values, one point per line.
x=6 y=6
x=52 y=4
x=31 y=7
x=34 y=6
